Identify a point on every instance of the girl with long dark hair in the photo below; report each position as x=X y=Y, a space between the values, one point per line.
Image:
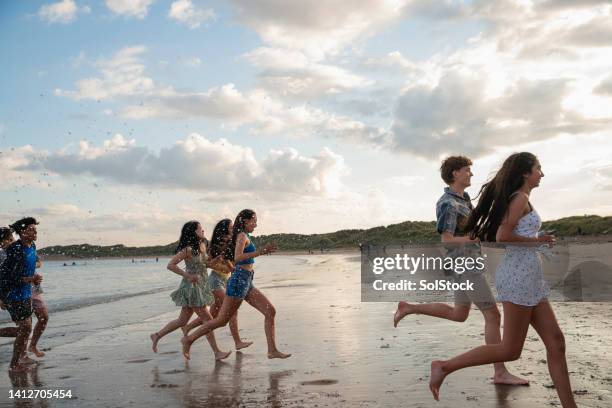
x=240 y=286
x=193 y=294
x=505 y=215
x=217 y=280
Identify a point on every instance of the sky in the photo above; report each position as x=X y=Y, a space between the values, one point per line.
x=120 y=120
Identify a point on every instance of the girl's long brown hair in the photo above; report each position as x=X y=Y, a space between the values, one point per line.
x=494 y=196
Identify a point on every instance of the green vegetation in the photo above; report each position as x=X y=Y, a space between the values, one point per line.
x=405 y=232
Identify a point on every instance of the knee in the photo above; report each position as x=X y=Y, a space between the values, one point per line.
x=492 y=316
x=557 y=345
x=222 y=321
x=270 y=312
x=44 y=318
x=25 y=327
x=460 y=314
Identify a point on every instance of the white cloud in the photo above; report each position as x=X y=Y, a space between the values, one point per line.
x=292 y=73
x=197 y=164
x=62 y=12
x=605 y=86
x=185 y=12
x=314 y=27
x=10 y=162
x=130 y=8
x=457 y=114
x=121 y=75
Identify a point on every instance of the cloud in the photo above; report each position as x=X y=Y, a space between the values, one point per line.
x=62 y=12
x=292 y=73
x=605 y=86
x=122 y=75
x=456 y=115
x=197 y=164
x=10 y=161
x=130 y=8
x=314 y=27
x=185 y=12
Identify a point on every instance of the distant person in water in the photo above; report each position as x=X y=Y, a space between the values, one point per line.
x=17 y=274
x=193 y=294
x=452 y=211
x=6 y=239
x=240 y=286
x=217 y=280
x=504 y=214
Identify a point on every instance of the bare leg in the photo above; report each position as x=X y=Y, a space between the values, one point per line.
x=492 y=320
x=260 y=302
x=205 y=316
x=544 y=322
x=229 y=307
x=21 y=341
x=516 y=323
x=458 y=312
x=233 y=322
x=42 y=316
x=9 y=331
x=182 y=320
x=191 y=325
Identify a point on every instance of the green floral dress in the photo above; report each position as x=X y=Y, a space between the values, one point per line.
x=194 y=294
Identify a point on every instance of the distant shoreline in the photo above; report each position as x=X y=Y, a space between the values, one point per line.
x=577 y=240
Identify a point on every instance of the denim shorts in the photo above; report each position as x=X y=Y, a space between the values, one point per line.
x=240 y=283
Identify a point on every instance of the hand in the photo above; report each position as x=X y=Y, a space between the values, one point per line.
x=217 y=259
x=36 y=279
x=2 y=306
x=548 y=238
x=269 y=248
x=192 y=278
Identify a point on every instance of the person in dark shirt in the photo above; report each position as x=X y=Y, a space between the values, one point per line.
x=17 y=274
x=6 y=239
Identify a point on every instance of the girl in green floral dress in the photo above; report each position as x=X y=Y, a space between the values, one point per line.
x=193 y=294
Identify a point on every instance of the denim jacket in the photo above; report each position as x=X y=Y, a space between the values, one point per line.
x=452 y=212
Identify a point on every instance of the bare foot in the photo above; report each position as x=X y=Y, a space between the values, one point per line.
x=36 y=351
x=186 y=346
x=436 y=378
x=25 y=360
x=154 y=339
x=278 y=354
x=243 y=344
x=509 y=379
x=19 y=368
x=222 y=355
x=403 y=309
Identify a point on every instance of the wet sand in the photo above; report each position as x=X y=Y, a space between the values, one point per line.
x=345 y=353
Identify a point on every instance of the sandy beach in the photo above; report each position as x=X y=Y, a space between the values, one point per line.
x=345 y=353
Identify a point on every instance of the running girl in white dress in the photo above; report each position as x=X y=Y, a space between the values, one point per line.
x=504 y=214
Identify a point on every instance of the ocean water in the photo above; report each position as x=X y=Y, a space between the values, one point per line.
x=100 y=281
x=101 y=294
